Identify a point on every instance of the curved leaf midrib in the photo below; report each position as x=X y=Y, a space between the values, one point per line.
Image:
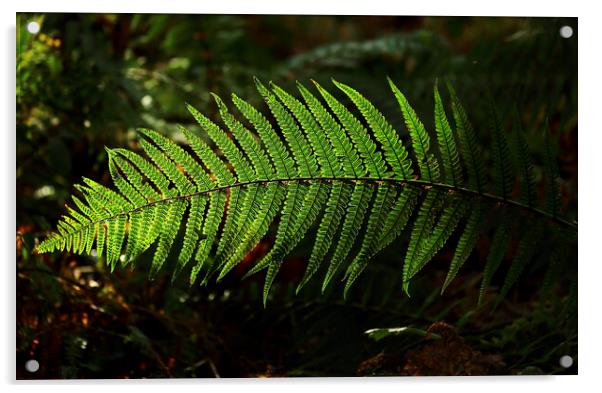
x=402 y=182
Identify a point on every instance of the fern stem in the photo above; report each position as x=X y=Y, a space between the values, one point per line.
x=400 y=182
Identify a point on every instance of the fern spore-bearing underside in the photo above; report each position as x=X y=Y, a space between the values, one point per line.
x=318 y=165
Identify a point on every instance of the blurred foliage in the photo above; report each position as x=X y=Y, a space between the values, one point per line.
x=86 y=81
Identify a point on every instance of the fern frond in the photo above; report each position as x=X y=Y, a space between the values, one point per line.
x=233 y=154
x=251 y=148
x=149 y=170
x=100 y=242
x=187 y=165
x=133 y=176
x=285 y=169
x=224 y=178
x=318 y=165
x=116 y=233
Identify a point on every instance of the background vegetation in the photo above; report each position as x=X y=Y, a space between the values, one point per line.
x=86 y=81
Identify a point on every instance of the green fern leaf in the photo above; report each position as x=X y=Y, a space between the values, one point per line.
x=447 y=144
x=253 y=197
x=285 y=168
x=467 y=242
x=501 y=155
x=116 y=233
x=443 y=229
x=290 y=210
x=100 y=242
x=264 y=215
x=148 y=169
x=422 y=227
x=191 y=236
x=215 y=212
x=398 y=218
x=395 y=153
x=497 y=250
x=329 y=166
x=524 y=253
x=524 y=164
x=347 y=155
x=307 y=165
x=306 y=216
x=185 y=163
x=242 y=200
x=266 y=209
x=122 y=184
x=373 y=160
x=233 y=154
x=428 y=165
x=216 y=166
x=385 y=196
x=338 y=199
x=318 y=165
x=168 y=234
x=174 y=175
x=469 y=147
x=356 y=210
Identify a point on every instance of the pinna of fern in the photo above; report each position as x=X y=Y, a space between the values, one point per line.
x=317 y=164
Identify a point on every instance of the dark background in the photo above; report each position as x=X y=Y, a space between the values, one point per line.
x=87 y=81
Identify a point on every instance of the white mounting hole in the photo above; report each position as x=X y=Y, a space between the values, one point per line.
x=566 y=361
x=33 y=27
x=566 y=31
x=32 y=365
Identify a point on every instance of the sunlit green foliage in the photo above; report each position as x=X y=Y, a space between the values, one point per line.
x=373 y=186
